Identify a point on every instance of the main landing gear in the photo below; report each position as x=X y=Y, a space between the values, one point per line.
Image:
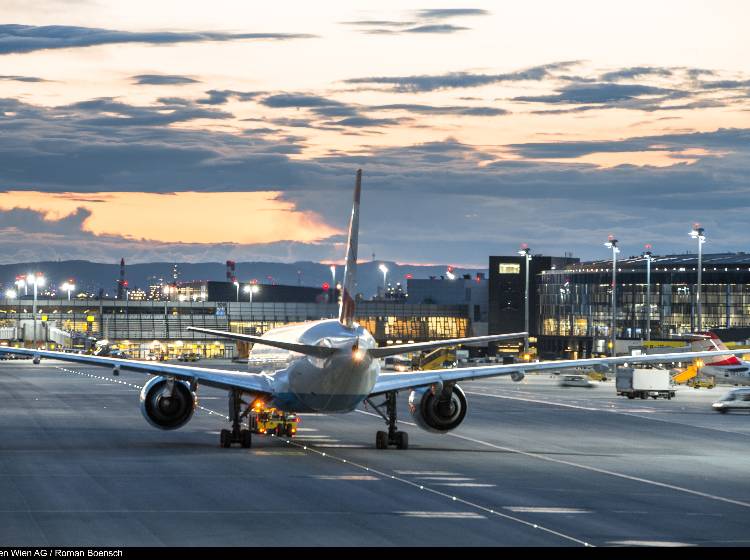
x=237 y=434
x=393 y=436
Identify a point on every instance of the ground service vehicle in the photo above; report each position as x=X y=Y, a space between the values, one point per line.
x=736 y=399
x=642 y=383
x=273 y=421
x=575 y=381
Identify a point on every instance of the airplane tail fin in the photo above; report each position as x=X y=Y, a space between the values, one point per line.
x=708 y=341
x=346 y=310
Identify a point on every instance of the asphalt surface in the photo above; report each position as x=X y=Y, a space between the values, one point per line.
x=533 y=464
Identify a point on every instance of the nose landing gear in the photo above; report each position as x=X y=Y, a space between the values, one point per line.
x=393 y=436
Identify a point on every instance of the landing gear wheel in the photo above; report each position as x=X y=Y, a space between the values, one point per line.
x=246 y=439
x=381 y=440
x=402 y=440
x=225 y=438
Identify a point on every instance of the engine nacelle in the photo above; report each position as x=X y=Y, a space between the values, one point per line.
x=517 y=376
x=436 y=413
x=167 y=412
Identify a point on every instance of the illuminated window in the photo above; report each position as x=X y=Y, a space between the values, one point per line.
x=509 y=268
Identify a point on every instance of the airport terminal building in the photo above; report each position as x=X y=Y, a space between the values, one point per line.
x=574 y=302
x=143 y=327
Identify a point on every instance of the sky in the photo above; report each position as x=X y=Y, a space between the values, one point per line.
x=194 y=131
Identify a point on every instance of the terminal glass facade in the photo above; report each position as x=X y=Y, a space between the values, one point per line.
x=576 y=302
x=160 y=327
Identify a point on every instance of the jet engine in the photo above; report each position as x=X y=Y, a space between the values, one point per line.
x=164 y=410
x=438 y=409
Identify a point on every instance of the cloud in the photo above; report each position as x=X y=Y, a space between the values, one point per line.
x=220 y=97
x=360 y=122
x=422 y=22
x=603 y=92
x=28 y=38
x=635 y=72
x=162 y=79
x=452 y=80
x=443 y=13
x=436 y=28
x=22 y=79
x=722 y=139
x=444 y=110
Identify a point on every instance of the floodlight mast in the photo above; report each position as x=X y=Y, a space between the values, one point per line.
x=612 y=244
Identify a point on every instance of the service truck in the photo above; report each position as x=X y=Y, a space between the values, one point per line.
x=643 y=383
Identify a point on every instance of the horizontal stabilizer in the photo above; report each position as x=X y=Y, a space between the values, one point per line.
x=419 y=346
x=307 y=349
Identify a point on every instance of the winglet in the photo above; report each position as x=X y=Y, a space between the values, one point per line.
x=346 y=311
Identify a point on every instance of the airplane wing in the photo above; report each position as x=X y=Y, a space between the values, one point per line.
x=220 y=378
x=399 y=381
x=308 y=349
x=416 y=346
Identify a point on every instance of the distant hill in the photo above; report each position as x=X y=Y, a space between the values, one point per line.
x=91 y=276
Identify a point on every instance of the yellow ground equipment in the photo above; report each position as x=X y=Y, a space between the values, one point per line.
x=272 y=421
x=437 y=359
x=685 y=375
x=594 y=375
x=698 y=382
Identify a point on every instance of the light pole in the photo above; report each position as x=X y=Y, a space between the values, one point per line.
x=35 y=280
x=237 y=285
x=647 y=254
x=526 y=252
x=250 y=290
x=68 y=287
x=612 y=244
x=384 y=270
x=699 y=234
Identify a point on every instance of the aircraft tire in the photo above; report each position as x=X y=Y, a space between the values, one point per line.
x=381 y=440
x=402 y=440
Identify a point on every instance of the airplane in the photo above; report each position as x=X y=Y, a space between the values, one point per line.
x=726 y=369
x=328 y=366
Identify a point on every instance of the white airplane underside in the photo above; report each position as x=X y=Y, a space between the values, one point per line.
x=329 y=366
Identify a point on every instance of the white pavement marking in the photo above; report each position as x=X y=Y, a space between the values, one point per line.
x=649 y=543
x=442 y=514
x=446 y=478
x=464 y=484
x=434 y=473
x=344 y=477
x=589 y=468
x=528 y=509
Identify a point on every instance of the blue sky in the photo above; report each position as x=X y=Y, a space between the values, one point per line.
x=182 y=131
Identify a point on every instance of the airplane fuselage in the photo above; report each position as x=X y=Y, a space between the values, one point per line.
x=728 y=375
x=309 y=384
